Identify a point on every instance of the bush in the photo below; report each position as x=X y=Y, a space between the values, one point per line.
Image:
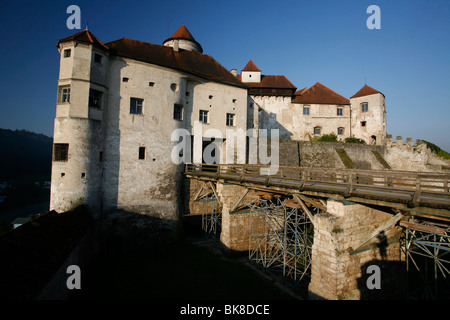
x=354 y=140
x=442 y=153
x=324 y=138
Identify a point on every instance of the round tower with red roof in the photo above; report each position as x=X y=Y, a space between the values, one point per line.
x=182 y=39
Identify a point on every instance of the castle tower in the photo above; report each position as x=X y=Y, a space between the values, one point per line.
x=251 y=73
x=78 y=128
x=183 y=39
x=368 y=115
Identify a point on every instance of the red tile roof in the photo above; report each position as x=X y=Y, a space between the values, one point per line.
x=251 y=67
x=270 y=85
x=183 y=33
x=365 y=91
x=319 y=94
x=86 y=37
x=191 y=62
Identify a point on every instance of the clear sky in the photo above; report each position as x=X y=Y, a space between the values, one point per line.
x=408 y=59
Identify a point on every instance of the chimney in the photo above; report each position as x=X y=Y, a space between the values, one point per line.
x=234 y=72
x=176 y=45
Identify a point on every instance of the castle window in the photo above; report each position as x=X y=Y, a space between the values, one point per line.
x=306 y=111
x=125 y=79
x=151 y=84
x=178 y=112
x=100 y=156
x=317 y=130
x=363 y=123
x=95 y=98
x=340 y=131
x=230 y=119
x=60 y=152
x=83 y=175
x=67 y=53
x=234 y=100
x=98 y=58
x=64 y=94
x=141 y=153
x=136 y=105
x=364 y=107
x=340 y=111
x=210 y=97
x=203 y=116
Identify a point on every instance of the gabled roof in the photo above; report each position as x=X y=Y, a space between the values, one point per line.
x=191 y=62
x=183 y=34
x=319 y=94
x=270 y=85
x=251 y=67
x=271 y=81
x=86 y=37
x=365 y=91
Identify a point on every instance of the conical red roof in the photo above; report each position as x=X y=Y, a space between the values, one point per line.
x=251 y=67
x=182 y=33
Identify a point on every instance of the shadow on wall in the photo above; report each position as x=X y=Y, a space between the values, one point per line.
x=383 y=280
x=267 y=120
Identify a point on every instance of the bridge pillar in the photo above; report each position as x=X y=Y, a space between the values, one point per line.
x=337 y=273
x=235 y=226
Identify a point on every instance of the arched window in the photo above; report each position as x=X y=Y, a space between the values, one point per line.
x=317 y=130
x=340 y=131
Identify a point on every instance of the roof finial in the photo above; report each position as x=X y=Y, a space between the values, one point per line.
x=87 y=26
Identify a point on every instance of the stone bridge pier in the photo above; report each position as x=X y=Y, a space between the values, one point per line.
x=355 y=253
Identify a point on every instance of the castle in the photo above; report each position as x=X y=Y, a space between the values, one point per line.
x=119 y=103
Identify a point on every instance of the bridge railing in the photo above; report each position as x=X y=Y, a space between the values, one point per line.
x=419 y=182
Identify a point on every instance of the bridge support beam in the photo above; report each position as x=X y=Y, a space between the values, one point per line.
x=235 y=226
x=337 y=272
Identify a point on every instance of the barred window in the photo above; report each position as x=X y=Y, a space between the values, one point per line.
x=230 y=119
x=203 y=116
x=136 y=105
x=61 y=152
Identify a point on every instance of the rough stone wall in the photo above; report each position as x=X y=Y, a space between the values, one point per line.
x=335 y=273
x=235 y=226
x=403 y=155
x=374 y=117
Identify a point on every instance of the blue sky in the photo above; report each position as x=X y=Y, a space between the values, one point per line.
x=408 y=59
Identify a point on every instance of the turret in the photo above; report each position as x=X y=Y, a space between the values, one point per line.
x=368 y=115
x=78 y=128
x=183 y=39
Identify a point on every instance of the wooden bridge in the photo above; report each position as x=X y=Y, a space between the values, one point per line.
x=421 y=192
x=410 y=210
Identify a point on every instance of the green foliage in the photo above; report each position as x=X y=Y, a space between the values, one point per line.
x=348 y=163
x=441 y=153
x=381 y=159
x=324 y=138
x=354 y=140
